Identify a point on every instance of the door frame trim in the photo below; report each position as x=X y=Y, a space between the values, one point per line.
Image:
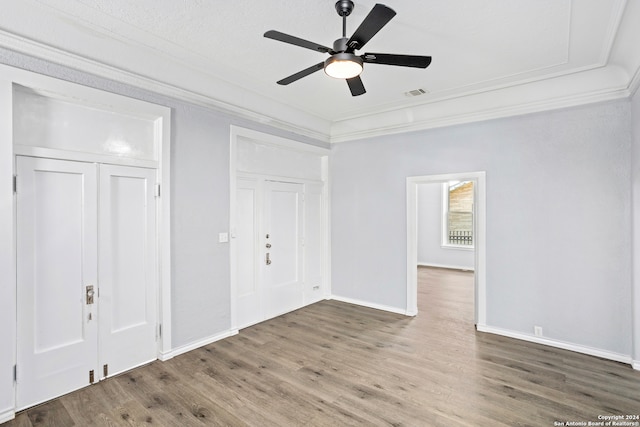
x=162 y=125
x=479 y=178
x=8 y=287
x=236 y=133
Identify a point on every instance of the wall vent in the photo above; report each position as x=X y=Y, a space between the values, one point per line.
x=416 y=92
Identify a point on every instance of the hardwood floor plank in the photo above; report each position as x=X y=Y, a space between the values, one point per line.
x=21 y=420
x=336 y=364
x=52 y=413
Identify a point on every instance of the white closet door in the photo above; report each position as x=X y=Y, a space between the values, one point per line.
x=282 y=242
x=248 y=293
x=56 y=247
x=128 y=271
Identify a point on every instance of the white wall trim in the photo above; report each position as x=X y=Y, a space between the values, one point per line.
x=636 y=365
x=326 y=223
x=84 y=95
x=617 y=357
x=233 y=212
x=276 y=141
x=370 y=305
x=7 y=416
x=319 y=128
x=58 y=56
x=237 y=133
x=52 y=153
x=200 y=343
x=457 y=247
x=163 y=135
x=267 y=177
x=7 y=255
x=489 y=113
x=450 y=267
x=479 y=179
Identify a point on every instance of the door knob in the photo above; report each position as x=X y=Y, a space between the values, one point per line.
x=89 y=294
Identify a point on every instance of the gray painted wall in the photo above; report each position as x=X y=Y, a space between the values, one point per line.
x=430 y=250
x=635 y=176
x=200 y=201
x=558 y=217
x=558 y=208
x=200 y=210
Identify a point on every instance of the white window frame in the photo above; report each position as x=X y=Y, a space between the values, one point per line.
x=445 y=220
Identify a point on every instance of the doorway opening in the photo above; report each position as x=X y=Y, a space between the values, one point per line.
x=479 y=233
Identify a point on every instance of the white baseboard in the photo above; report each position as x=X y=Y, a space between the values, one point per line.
x=201 y=343
x=623 y=358
x=371 y=305
x=164 y=356
x=7 y=415
x=450 y=267
x=636 y=365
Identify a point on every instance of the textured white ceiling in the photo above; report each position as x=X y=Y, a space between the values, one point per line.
x=216 y=51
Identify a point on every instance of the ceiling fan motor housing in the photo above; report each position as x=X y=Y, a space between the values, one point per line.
x=340 y=45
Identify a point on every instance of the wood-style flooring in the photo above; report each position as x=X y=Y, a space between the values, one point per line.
x=336 y=364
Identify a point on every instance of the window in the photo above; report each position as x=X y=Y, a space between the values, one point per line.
x=457 y=217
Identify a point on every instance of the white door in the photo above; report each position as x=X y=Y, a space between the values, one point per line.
x=282 y=242
x=128 y=271
x=56 y=262
x=249 y=293
x=69 y=228
x=269 y=227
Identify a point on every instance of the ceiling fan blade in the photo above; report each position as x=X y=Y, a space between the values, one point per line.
x=300 y=74
x=375 y=20
x=277 y=35
x=401 y=60
x=355 y=86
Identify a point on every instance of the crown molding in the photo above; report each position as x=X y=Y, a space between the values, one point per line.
x=54 y=55
x=459 y=109
x=478 y=116
x=588 y=86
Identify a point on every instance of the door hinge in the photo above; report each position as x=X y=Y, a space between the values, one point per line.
x=105 y=370
x=15 y=373
x=159 y=335
x=157 y=190
x=91 y=377
x=15 y=183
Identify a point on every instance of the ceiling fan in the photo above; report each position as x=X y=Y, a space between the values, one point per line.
x=343 y=62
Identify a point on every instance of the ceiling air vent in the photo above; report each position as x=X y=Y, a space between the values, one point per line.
x=415 y=92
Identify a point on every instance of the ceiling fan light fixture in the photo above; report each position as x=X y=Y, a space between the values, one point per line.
x=343 y=66
x=343 y=63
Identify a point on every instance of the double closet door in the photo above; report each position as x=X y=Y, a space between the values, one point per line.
x=86 y=274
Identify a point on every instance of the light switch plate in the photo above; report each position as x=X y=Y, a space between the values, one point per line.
x=223 y=237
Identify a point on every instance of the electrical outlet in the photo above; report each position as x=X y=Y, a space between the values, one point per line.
x=537 y=331
x=223 y=237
